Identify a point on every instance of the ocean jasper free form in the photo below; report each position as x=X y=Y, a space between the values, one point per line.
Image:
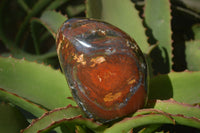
x=104 y=68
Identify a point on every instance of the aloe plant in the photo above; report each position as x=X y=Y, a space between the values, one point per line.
x=35 y=97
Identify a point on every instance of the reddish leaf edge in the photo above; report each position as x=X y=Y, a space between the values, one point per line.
x=143 y=117
x=140 y=120
x=168 y=105
x=21 y=55
x=79 y=120
x=46 y=25
x=153 y=102
x=188 y=121
x=152 y=111
x=76 y=120
x=140 y=114
x=36 y=59
x=39 y=21
x=13 y=95
x=174 y=117
x=171 y=100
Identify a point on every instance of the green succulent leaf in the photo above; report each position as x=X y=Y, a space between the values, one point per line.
x=55 y=4
x=191 y=121
x=17 y=52
x=38 y=7
x=94 y=9
x=11 y=119
x=181 y=86
x=35 y=82
x=196 y=30
x=79 y=129
x=35 y=109
x=51 y=20
x=177 y=118
x=177 y=108
x=191 y=4
x=158 y=19
x=150 y=128
x=124 y=16
x=193 y=55
x=137 y=121
x=34 y=31
x=23 y=4
x=73 y=10
x=163 y=112
x=171 y=107
x=67 y=115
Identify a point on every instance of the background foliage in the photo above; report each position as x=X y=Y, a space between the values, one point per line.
x=32 y=87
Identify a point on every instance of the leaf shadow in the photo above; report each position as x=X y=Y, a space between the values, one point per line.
x=160 y=60
x=164 y=93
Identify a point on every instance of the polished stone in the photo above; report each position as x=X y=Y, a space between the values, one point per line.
x=104 y=68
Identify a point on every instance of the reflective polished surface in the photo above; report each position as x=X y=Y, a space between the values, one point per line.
x=104 y=68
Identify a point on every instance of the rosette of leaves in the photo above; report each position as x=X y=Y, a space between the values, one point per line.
x=35 y=97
